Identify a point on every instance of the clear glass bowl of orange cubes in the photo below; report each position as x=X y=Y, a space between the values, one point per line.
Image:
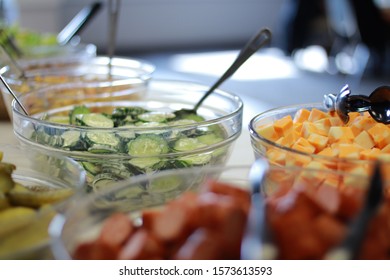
x=308 y=135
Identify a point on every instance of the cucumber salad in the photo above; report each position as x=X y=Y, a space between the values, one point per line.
x=129 y=141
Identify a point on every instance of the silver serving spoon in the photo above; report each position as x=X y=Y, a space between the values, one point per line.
x=77 y=23
x=13 y=94
x=113 y=10
x=262 y=38
x=377 y=103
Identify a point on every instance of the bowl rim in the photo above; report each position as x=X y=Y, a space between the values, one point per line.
x=256 y=138
x=145 y=67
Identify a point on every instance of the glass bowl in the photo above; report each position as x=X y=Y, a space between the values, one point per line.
x=128 y=78
x=189 y=202
x=355 y=152
x=148 y=192
x=138 y=144
x=42 y=185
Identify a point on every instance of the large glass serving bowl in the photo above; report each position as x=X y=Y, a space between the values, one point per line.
x=137 y=147
x=355 y=152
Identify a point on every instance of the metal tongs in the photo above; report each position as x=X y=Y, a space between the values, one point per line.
x=377 y=103
x=350 y=246
x=257 y=242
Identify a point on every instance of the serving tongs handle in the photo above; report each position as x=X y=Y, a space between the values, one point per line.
x=257 y=243
x=351 y=245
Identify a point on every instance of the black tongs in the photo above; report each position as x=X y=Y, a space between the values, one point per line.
x=377 y=103
x=350 y=247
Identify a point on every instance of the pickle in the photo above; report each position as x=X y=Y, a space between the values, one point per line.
x=15 y=218
x=4 y=203
x=32 y=237
x=37 y=196
x=6 y=182
x=7 y=167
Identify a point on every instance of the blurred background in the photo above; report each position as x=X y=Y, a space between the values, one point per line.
x=318 y=45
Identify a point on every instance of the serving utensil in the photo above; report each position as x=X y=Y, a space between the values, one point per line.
x=350 y=247
x=255 y=43
x=13 y=94
x=78 y=22
x=20 y=71
x=256 y=242
x=377 y=104
x=113 y=11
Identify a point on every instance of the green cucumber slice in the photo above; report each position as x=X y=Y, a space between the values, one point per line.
x=188 y=144
x=103 y=138
x=96 y=120
x=147 y=145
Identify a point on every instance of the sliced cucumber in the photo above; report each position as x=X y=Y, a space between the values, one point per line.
x=201 y=159
x=147 y=145
x=144 y=163
x=188 y=144
x=155 y=117
x=102 y=138
x=59 y=119
x=209 y=139
x=78 y=110
x=70 y=138
x=96 y=120
x=102 y=149
x=91 y=167
x=165 y=184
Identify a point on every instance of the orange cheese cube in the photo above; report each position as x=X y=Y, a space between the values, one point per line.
x=267 y=131
x=297 y=159
x=336 y=121
x=372 y=154
x=284 y=125
x=353 y=115
x=329 y=152
x=308 y=128
x=284 y=141
x=298 y=128
x=323 y=126
x=349 y=151
x=304 y=146
x=337 y=133
x=316 y=114
x=364 y=140
x=318 y=141
x=276 y=156
x=301 y=115
x=381 y=134
x=386 y=149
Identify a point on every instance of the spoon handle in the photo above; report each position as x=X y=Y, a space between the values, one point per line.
x=13 y=95
x=77 y=23
x=255 y=43
x=21 y=73
x=113 y=11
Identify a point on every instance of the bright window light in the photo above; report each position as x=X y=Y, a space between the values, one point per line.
x=261 y=66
